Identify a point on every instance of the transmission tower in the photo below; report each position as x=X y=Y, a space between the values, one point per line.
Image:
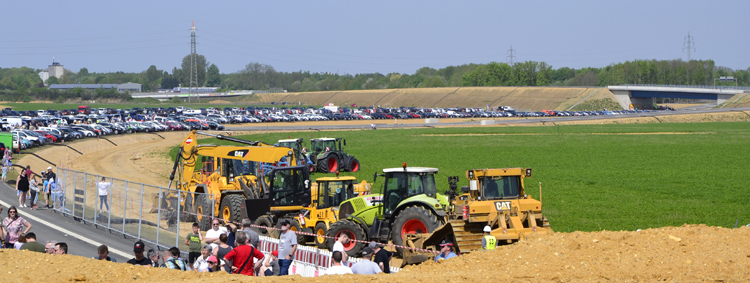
x=688 y=45
x=510 y=56
x=193 y=66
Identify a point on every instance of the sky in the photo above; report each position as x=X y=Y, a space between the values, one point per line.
x=351 y=37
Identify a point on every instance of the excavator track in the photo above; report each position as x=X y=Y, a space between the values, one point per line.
x=468 y=235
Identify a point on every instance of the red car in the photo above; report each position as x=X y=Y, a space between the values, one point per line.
x=46 y=135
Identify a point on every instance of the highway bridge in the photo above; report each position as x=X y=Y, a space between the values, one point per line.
x=645 y=94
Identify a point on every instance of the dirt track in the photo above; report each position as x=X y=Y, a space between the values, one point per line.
x=694 y=253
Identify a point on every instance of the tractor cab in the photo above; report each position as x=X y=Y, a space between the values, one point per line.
x=496 y=184
x=289 y=186
x=322 y=145
x=403 y=183
x=295 y=144
x=332 y=191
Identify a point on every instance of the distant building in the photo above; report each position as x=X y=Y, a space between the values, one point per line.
x=56 y=69
x=132 y=87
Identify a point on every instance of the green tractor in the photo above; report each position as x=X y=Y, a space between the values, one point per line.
x=409 y=204
x=328 y=156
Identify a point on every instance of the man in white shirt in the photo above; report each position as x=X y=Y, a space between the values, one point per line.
x=338 y=246
x=212 y=235
x=103 y=187
x=337 y=268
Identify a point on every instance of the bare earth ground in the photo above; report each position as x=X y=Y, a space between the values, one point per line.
x=691 y=253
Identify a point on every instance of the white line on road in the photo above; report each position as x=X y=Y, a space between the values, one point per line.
x=66 y=231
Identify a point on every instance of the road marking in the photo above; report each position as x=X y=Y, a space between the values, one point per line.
x=70 y=233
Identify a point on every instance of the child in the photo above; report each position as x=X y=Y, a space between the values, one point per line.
x=34 y=190
x=194 y=240
x=5 y=173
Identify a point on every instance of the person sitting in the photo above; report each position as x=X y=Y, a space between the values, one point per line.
x=446 y=251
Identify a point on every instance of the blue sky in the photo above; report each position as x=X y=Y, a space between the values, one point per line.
x=367 y=36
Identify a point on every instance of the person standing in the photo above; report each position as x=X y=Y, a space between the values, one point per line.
x=222 y=250
x=193 y=240
x=338 y=246
x=22 y=186
x=337 y=268
x=366 y=266
x=103 y=252
x=32 y=244
x=139 y=259
x=212 y=235
x=488 y=241
x=382 y=257
x=242 y=256
x=34 y=190
x=6 y=169
x=13 y=226
x=287 y=247
x=251 y=234
x=446 y=251
x=103 y=187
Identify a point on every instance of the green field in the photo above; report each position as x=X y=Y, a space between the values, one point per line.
x=594 y=177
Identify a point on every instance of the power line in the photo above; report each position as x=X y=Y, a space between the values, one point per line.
x=689 y=44
x=510 y=56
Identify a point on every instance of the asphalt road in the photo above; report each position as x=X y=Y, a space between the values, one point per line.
x=448 y=122
x=82 y=239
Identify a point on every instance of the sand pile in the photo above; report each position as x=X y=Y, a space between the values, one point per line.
x=690 y=253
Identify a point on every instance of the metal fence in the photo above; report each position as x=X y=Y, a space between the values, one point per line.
x=151 y=214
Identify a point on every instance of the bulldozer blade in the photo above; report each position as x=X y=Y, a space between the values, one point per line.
x=416 y=259
x=444 y=232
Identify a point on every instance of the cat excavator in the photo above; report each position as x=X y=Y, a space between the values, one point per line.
x=217 y=180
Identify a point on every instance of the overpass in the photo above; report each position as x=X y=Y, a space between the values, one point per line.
x=645 y=94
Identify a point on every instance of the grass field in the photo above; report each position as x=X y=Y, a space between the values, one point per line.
x=612 y=177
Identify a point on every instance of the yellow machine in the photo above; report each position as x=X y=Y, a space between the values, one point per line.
x=495 y=198
x=231 y=174
x=327 y=194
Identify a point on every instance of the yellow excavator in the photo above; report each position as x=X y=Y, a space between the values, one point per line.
x=496 y=198
x=231 y=175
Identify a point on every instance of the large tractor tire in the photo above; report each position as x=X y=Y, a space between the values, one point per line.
x=329 y=164
x=320 y=230
x=353 y=164
x=204 y=211
x=301 y=239
x=412 y=220
x=264 y=221
x=353 y=230
x=188 y=210
x=231 y=208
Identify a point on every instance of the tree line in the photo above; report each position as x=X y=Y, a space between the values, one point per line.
x=17 y=83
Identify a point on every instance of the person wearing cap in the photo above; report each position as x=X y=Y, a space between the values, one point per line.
x=382 y=257
x=213 y=264
x=49 y=181
x=287 y=247
x=488 y=241
x=270 y=265
x=366 y=266
x=446 y=251
x=139 y=259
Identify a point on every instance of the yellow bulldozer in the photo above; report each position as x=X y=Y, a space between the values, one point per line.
x=327 y=194
x=494 y=197
x=225 y=177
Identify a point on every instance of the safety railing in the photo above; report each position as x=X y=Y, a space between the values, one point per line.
x=152 y=214
x=692 y=86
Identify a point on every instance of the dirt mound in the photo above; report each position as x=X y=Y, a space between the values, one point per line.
x=688 y=253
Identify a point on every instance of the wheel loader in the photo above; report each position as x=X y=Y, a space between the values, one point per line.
x=495 y=198
x=328 y=156
x=231 y=174
x=327 y=194
x=408 y=204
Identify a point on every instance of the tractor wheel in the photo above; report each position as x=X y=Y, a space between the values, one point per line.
x=353 y=164
x=294 y=227
x=412 y=220
x=231 y=208
x=203 y=211
x=320 y=230
x=353 y=230
x=263 y=221
x=329 y=164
